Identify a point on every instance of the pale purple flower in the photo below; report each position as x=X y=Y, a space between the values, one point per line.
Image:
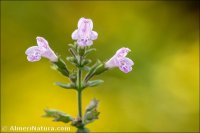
x=35 y=53
x=120 y=60
x=84 y=34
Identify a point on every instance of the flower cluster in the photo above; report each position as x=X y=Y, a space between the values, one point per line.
x=84 y=37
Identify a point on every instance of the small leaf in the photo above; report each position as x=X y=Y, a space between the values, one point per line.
x=90 y=116
x=72 y=59
x=89 y=51
x=86 y=68
x=71 y=45
x=58 y=115
x=73 y=77
x=94 y=83
x=73 y=52
x=100 y=69
x=93 y=70
x=66 y=86
x=74 y=46
x=61 y=67
x=91 y=113
x=85 y=62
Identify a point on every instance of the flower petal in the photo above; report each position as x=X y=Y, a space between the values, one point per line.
x=49 y=54
x=85 y=42
x=42 y=42
x=128 y=61
x=122 y=52
x=33 y=54
x=112 y=62
x=90 y=23
x=81 y=20
x=125 y=68
x=75 y=35
x=32 y=58
x=125 y=64
x=94 y=35
x=89 y=42
x=32 y=49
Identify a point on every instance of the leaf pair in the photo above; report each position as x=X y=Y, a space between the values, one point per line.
x=91 y=114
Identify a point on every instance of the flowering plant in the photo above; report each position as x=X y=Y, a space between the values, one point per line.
x=84 y=37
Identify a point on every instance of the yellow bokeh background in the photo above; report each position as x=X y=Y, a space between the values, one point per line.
x=161 y=94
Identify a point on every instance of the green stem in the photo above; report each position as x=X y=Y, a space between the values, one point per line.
x=79 y=75
x=80 y=103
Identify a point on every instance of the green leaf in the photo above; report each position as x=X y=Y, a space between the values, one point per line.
x=73 y=77
x=58 y=115
x=94 y=83
x=71 y=45
x=100 y=69
x=74 y=46
x=73 y=52
x=66 y=86
x=89 y=51
x=85 y=62
x=72 y=59
x=93 y=70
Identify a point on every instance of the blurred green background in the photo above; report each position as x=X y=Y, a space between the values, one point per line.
x=160 y=94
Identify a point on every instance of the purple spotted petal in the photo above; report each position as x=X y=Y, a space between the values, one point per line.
x=125 y=64
x=85 y=42
x=33 y=54
x=125 y=69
